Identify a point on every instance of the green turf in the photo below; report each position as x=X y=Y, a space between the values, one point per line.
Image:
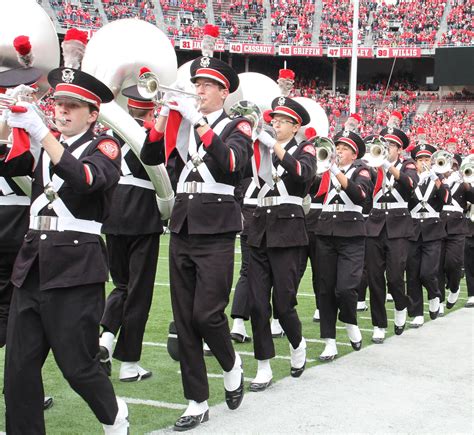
x=70 y=415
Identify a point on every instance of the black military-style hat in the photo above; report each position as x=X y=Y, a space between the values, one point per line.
x=395 y=135
x=215 y=69
x=135 y=100
x=351 y=139
x=422 y=150
x=73 y=83
x=288 y=107
x=19 y=76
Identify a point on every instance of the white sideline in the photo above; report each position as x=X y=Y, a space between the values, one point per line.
x=155 y=403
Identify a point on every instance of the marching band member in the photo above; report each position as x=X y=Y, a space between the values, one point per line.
x=341 y=241
x=61 y=269
x=389 y=227
x=14 y=202
x=203 y=225
x=469 y=258
x=425 y=247
x=452 y=246
x=132 y=230
x=240 y=310
x=277 y=238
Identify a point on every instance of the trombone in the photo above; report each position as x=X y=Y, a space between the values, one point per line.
x=149 y=87
x=467 y=170
x=442 y=161
x=325 y=154
x=377 y=151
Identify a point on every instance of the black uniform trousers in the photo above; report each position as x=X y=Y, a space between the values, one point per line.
x=201 y=272
x=7 y=259
x=469 y=264
x=422 y=270
x=133 y=261
x=65 y=320
x=341 y=260
x=310 y=252
x=364 y=280
x=278 y=268
x=450 y=264
x=387 y=259
x=240 y=304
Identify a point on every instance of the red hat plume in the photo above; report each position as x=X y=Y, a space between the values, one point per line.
x=22 y=46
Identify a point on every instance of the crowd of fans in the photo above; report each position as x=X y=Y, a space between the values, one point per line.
x=240 y=19
x=399 y=23
x=336 y=21
x=184 y=18
x=292 y=21
x=116 y=9
x=459 y=23
x=77 y=13
x=407 y=22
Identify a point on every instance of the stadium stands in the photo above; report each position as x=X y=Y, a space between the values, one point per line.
x=81 y=14
x=115 y=9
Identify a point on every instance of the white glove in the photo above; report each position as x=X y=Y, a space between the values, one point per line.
x=433 y=175
x=422 y=177
x=30 y=121
x=188 y=110
x=4 y=115
x=20 y=90
x=266 y=139
x=334 y=169
x=164 y=111
x=455 y=177
x=386 y=165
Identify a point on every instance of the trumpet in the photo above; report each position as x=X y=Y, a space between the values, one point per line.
x=377 y=151
x=442 y=161
x=467 y=170
x=149 y=87
x=325 y=154
x=251 y=112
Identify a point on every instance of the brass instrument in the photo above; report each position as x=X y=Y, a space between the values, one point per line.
x=325 y=154
x=377 y=151
x=442 y=161
x=251 y=112
x=25 y=17
x=467 y=170
x=318 y=118
x=149 y=87
x=114 y=55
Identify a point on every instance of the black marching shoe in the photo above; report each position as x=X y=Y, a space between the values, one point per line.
x=105 y=361
x=356 y=345
x=190 y=421
x=234 y=398
x=257 y=387
x=434 y=314
x=48 y=403
x=239 y=338
x=296 y=373
x=398 y=329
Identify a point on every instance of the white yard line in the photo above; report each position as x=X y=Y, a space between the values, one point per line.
x=155 y=403
x=317 y=340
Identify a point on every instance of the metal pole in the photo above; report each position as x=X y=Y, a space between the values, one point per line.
x=353 y=77
x=334 y=72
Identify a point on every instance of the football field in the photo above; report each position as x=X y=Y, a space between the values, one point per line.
x=157 y=402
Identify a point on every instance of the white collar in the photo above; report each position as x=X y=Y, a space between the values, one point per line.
x=213 y=116
x=72 y=139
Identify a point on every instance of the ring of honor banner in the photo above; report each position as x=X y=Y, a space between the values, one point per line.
x=303 y=50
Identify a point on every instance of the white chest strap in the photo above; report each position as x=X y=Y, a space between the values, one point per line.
x=201 y=167
x=423 y=202
x=388 y=185
x=454 y=206
x=56 y=182
x=348 y=204
x=277 y=174
x=9 y=197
